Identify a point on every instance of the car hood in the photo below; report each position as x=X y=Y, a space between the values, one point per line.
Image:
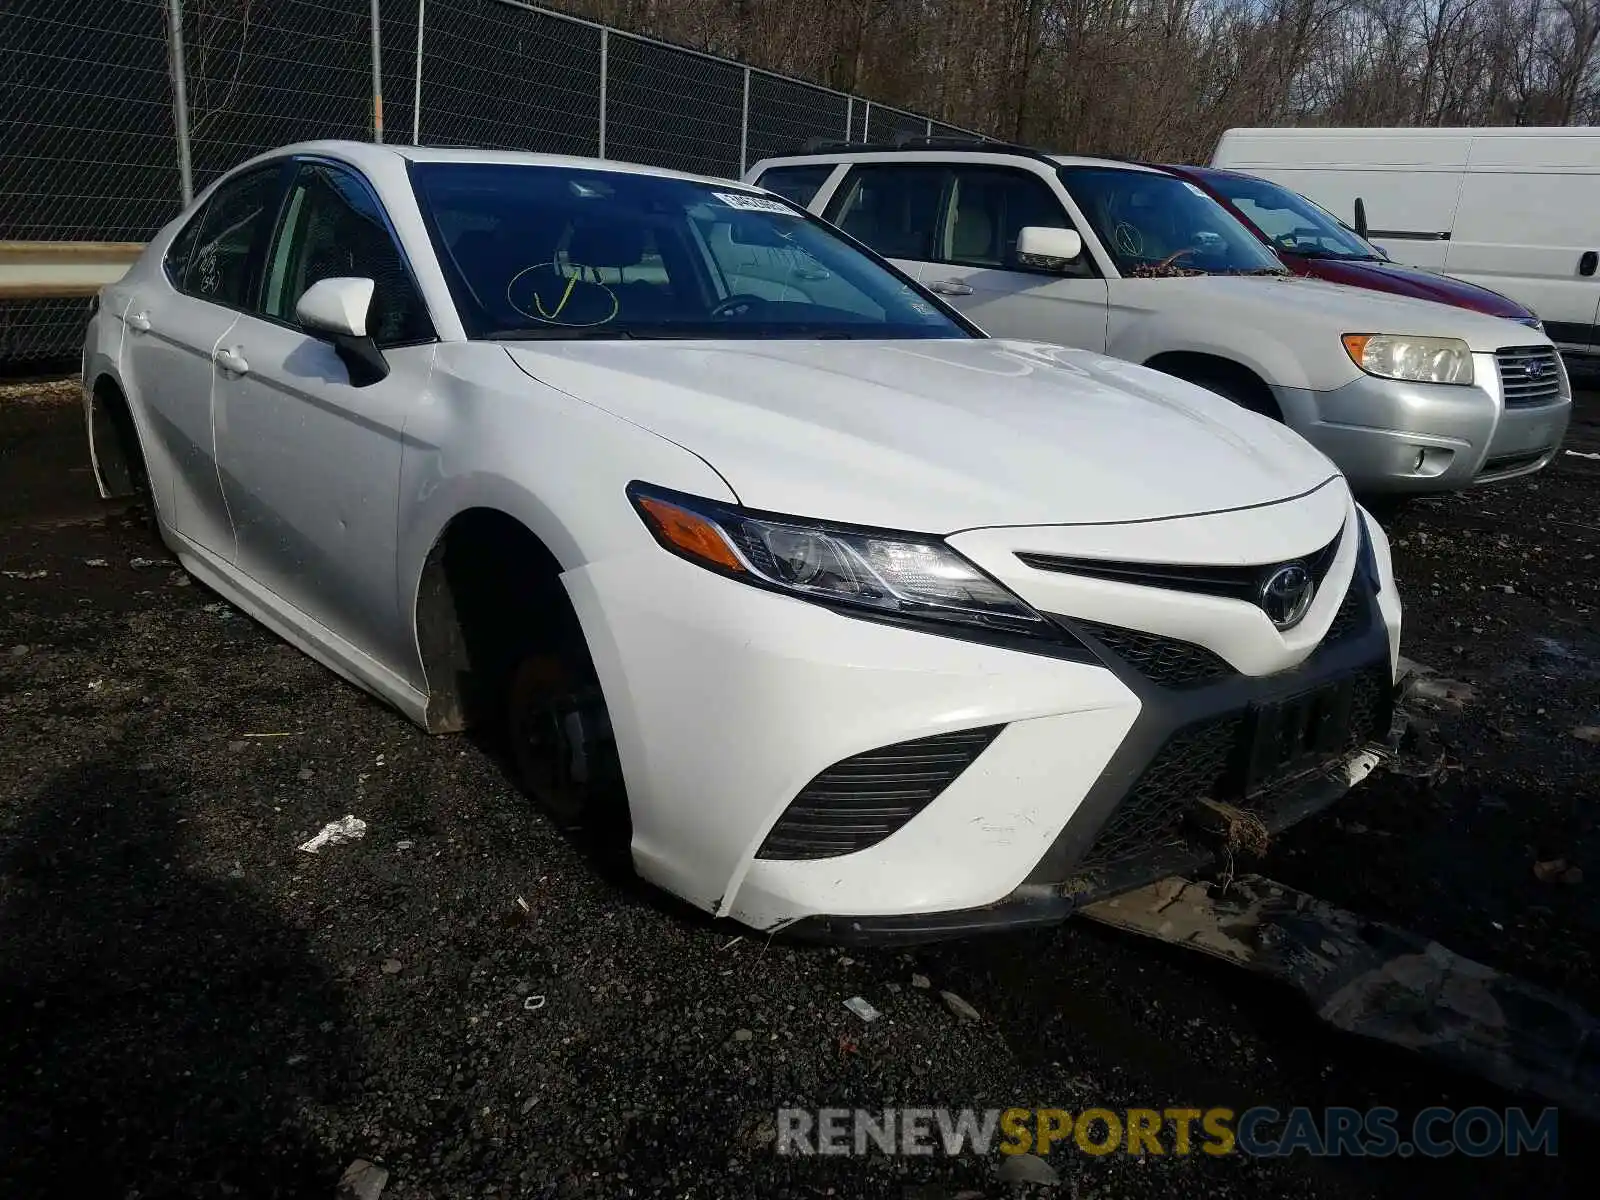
x=1414 y=281
x=939 y=435
x=1277 y=301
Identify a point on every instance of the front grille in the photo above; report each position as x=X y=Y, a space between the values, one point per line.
x=1167 y=661
x=1203 y=760
x=859 y=801
x=1352 y=615
x=1529 y=375
x=1236 y=583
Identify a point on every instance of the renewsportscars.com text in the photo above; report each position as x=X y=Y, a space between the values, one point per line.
x=1259 y=1132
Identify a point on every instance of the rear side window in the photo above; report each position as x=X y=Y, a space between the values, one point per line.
x=799 y=184
x=235 y=220
x=892 y=208
x=177 y=257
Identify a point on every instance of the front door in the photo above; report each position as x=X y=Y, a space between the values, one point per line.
x=311 y=464
x=955 y=227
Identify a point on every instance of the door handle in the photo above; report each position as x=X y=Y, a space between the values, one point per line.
x=1587 y=262
x=950 y=287
x=139 y=322
x=231 y=361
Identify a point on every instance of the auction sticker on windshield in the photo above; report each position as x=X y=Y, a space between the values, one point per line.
x=751 y=203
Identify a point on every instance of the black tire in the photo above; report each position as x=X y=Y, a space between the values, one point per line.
x=559 y=738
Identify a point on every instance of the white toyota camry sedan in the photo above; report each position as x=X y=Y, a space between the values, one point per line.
x=844 y=617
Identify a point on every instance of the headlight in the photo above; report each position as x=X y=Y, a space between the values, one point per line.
x=1405 y=356
x=905 y=576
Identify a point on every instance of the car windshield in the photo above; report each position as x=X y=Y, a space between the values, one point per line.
x=1291 y=222
x=1155 y=224
x=533 y=251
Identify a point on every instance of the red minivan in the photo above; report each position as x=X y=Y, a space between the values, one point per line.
x=1311 y=241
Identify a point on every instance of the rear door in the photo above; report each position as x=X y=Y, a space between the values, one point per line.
x=174 y=325
x=311 y=463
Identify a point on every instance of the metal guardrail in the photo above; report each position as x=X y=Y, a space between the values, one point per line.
x=62 y=270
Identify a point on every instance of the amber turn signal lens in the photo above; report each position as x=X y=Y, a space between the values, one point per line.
x=1355 y=345
x=690 y=533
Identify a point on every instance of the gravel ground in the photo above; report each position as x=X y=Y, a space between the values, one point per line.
x=189 y=1006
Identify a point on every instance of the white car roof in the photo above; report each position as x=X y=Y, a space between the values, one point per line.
x=368 y=154
x=922 y=154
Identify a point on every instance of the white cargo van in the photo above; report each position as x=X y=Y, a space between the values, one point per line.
x=1514 y=209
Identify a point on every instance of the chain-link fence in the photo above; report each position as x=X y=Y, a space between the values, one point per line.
x=106 y=106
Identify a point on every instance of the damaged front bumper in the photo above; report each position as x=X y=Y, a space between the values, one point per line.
x=1177 y=795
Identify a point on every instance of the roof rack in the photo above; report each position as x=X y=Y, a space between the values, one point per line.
x=977 y=144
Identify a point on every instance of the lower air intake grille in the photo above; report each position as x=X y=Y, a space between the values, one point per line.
x=1202 y=760
x=1167 y=661
x=1187 y=768
x=1529 y=375
x=859 y=801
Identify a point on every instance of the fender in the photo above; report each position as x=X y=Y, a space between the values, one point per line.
x=513 y=428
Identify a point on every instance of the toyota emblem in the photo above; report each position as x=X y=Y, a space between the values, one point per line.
x=1287 y=594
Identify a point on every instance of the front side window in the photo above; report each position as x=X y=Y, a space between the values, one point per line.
x=892 y=208
x=1156 y=224
x=557 y=252
x=332 y=227
x=989 y=207
x=798 y=183
x=235 y=220
x=1291 y=222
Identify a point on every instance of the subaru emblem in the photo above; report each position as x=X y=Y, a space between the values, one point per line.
x=1286 y=595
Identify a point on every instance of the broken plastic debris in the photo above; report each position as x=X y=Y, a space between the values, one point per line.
x=140 y=564
x=25 y=574
x=362 y=1180
x=1582 y=454
x=345 y=829
x=95 y=562
x=532 y=1003
x=861 y=1008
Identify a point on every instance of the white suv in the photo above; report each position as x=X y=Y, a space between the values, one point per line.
x=1405 y=395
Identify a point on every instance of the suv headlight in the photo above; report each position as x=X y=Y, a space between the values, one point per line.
x=898 y=576
x=1410 y=357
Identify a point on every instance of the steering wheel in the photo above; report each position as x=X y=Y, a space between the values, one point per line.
x=1175 y=256
x=737 y=305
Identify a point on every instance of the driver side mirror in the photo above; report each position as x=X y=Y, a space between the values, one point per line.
x=1048 y=248
x=336 y=310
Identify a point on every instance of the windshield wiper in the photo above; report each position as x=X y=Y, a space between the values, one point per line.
x=1334 y=255
x=553 y=333
x=1256 y=271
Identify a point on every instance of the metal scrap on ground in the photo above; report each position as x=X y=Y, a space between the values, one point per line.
x=1380 y=982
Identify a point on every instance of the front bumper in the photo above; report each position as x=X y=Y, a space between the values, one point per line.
x=1412 y=438
x=728 y=701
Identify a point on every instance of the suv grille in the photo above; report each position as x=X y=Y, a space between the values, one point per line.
x=861 y=800
x=1201 y=760
x=1529 y=375
x=1167 y=661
